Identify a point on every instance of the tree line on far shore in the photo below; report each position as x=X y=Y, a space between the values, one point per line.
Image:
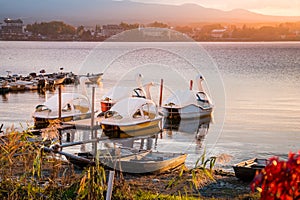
x=58 y=30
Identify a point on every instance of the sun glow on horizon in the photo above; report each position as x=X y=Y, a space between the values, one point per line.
x=277 y=12
x=265 y=7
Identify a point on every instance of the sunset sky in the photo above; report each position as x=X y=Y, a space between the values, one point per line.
x=268 y=7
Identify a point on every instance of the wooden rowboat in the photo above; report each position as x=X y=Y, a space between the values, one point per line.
x=246 y=170
x=136 y=162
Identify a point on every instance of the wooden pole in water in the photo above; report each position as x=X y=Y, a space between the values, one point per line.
x=191 y=84
x=161 y=91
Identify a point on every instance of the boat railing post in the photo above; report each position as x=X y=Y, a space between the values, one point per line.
x=161 y=91
x=191 y=84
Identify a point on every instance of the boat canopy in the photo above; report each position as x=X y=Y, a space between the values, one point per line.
x=182 y=98
x=129 y=106
x=118 y=92
x=66 y=98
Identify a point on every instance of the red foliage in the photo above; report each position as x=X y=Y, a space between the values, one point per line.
x=279 y=179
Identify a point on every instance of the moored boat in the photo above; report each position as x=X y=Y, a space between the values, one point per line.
x=18 y=86
x=118 y=93
x=188 y=103
x=74 y=107
x=246 y=170
x=114 y=95
x=59 y=80
x=93 y=78
x=135 y=161
x=133 y=116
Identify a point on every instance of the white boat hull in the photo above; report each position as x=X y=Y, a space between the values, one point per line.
x=41 y=121
x=123 y=130
x=186 y=112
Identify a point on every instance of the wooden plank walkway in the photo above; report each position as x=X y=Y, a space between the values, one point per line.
x=85 y=124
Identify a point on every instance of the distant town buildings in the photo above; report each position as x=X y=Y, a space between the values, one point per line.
x=153 y=33
x=12 y=29
x=218 y=33
x=110 y=30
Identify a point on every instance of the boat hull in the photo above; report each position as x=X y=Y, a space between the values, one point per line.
x=132 y=130
x=186 y=112
x=143 y=162
x=59 y=81
x=17 y=88
x=44 y=122
x=94 y=78
x=148 y=165
x=247 y=170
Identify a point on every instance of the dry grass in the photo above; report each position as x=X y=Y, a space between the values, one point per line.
x=26 y=172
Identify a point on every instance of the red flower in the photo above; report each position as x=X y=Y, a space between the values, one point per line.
x=279 y=179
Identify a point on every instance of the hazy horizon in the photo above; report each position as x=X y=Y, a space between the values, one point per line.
x=93 y=12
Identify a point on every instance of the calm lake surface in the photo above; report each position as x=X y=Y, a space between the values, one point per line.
x=255 y=88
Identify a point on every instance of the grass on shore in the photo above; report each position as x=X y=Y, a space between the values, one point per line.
x=26 y=172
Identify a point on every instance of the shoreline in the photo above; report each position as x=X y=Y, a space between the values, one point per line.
x=153 y=41
x=191 y=184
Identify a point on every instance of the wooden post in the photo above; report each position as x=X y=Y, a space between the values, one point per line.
x=92 y=113
x=59 y=112
x=93 y=133
x=191 y=84
x=59 y=102
x=110 y=184
x=68 y=137
x=161 y=91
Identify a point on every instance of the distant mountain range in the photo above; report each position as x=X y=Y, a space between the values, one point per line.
x=92 y=12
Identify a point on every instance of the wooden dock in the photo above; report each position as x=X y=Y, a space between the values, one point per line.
x=85 y=124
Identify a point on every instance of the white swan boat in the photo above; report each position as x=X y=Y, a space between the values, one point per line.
x=118 y=93
x=74 y=106
x=188 y=103
x=133 y=116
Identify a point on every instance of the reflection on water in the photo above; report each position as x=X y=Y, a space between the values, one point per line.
x=189 y=132
x=193 y=125
x=196 y=126
x=4 y=97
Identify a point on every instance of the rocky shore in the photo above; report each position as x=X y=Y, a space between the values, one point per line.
x=192 y=184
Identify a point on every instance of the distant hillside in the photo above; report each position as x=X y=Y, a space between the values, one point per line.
x=91 y=12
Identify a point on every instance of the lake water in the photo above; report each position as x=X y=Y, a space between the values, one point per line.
x=254 y=87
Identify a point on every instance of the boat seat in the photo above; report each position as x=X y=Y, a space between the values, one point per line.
x=150 y=115
x=82 y=109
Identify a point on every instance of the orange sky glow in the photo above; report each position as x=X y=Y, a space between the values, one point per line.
x=267 y=7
